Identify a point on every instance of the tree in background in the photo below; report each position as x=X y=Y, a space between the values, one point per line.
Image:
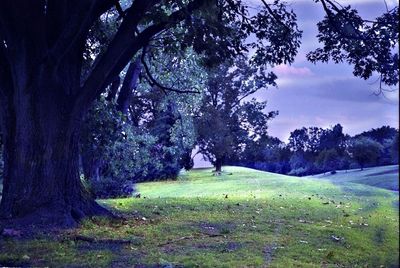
x=394 y=150
x=103 y=126
x=228 y=120
x=266 y=153
x=365 y=151
x=328 y=160
x=333 y=138
x=385 y=136
x=300 y=165
x=127 y=151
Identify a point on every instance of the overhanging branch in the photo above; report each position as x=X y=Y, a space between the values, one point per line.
x=126 y=44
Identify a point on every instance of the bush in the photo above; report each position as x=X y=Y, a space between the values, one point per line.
x=109 y=188
x=302 y=171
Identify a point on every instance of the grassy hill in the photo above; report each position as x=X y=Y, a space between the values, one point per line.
x=386 y=177
x=244 y=218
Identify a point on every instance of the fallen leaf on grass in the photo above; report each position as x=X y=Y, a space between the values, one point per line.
x=336 y=238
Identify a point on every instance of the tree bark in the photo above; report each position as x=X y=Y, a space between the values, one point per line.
x=41 y=162
x=40 y=120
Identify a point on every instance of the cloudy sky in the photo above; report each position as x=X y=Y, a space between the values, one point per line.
x=325 y=94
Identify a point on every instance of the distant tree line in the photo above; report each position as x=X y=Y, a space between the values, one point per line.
x=315 y=150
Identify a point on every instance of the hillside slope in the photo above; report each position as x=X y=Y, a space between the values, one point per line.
x=386 y=177
x=244 y=218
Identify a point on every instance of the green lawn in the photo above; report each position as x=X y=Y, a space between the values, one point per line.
x=383 y=177
x=244 y=218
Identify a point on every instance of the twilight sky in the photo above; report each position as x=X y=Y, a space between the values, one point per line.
x=325 y=94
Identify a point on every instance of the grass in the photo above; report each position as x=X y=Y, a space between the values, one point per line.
x=386 y=177
x=244 y=218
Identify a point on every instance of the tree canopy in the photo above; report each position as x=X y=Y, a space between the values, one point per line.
x=228 y=119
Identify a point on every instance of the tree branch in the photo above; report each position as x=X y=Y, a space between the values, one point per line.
x=271 y=12
x=125 y=45
x=79 y=24
x=153 y=82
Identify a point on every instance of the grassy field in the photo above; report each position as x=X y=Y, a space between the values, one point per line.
x=244 y=218
x=386 y=177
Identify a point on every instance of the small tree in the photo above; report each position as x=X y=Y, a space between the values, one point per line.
x=365 y=151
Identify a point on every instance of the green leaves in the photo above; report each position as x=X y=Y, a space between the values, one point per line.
x=370 y=46
x=228 y=120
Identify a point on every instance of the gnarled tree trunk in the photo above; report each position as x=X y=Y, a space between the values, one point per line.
x=41 y=158
x=40 y=76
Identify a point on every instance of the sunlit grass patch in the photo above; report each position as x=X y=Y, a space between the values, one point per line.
x=244 y=218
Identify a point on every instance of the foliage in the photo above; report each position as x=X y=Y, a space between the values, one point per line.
x=266 y=153
x=228 y=120
x=370 y=46
x=109 y=147
x=394 y=149
x=365 y=151
x=328 y=160
x=129 y=153
x=385 y=135
x=313 y=140
x=300 y=165
x=379 y=134
x=314 y=150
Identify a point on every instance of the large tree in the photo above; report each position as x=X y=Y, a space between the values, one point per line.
x=45 y=91
x=45 y=87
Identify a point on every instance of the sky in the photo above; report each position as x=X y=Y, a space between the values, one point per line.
x=325 y=94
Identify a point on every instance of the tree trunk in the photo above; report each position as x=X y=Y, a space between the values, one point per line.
x=218 y=164
x=40 y=124
x=41 y=161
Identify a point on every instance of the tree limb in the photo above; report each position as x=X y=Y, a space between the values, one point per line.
x=153 y=82
x=125 y=45
x=79 y=24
